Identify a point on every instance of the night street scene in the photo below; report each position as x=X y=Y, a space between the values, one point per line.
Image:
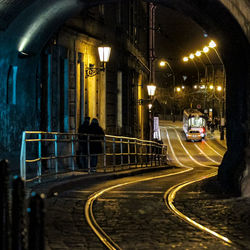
x=124 y=124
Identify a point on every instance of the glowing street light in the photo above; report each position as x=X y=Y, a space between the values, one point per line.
x=212 y=44
x=151 y=89
x=211 y=87
x=185 y=59
x=104 y=53
x=191 y=56
x=195 y=86
x=219 y=88
x=198 y=53
x=178 y=89
x=205 y=49
x=162 y=63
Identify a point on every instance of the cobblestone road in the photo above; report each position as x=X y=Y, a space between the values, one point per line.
x=137 y=218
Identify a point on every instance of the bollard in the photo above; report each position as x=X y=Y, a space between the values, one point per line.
x=36 y=222
x=18 y=229
x=222 y=134
x=4 y=205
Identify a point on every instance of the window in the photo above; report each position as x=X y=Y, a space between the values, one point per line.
x=11 y=85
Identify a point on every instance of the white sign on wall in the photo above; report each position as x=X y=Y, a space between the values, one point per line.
x=156 y=134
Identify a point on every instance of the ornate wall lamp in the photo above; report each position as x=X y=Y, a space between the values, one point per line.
x=104 y=54
x=151 y=92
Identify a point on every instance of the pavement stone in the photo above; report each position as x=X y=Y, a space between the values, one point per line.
x=201 y=201
x=230 y=216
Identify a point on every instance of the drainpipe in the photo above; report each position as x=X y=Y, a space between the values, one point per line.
x=152 y=8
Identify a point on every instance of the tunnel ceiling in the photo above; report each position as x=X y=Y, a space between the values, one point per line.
x=9 y=9
x=179 y=34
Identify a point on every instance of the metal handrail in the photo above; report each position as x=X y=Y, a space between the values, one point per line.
x=117 y=151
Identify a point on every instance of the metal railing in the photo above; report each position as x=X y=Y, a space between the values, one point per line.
x=45 y=153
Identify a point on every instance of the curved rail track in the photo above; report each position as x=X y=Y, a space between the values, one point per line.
x=169 y=197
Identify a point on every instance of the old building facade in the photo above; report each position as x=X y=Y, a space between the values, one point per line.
x=61 y=93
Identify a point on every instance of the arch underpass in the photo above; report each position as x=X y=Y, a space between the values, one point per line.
x=26 y=28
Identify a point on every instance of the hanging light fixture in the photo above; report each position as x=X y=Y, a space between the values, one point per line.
x=151 y=89
x=104 y=54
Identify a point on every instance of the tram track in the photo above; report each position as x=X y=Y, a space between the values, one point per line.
x=169 y=197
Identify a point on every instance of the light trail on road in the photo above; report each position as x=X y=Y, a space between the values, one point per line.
x=189 y=155
x=213 y=149
x=209 y=158
x=169 y=197
x=170 y=193
x=104 y=238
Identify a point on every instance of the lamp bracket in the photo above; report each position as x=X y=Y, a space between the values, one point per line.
x=144 y=101
x=93 y=71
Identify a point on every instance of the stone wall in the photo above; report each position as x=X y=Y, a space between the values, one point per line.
x=241 y=11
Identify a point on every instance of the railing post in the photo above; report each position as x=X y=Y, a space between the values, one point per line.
x=155 y=154
x=39 y=173
x=88 y=148
x=4 y=205
x=104 y=153
x=160 y=154
x=141 y=151
x=56 y=153
x=23 y=157
x=129 y=153
x=73 y=153
x=36 y=225
x=113 y=153
x=136 y=153
x=121 y=149
x=19 y=240
x=151 y=154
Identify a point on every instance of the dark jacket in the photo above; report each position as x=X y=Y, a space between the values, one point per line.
x=96 y=138
x=83 y=129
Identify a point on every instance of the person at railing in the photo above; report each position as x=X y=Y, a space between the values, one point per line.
x=82 y=159
x=95 y=142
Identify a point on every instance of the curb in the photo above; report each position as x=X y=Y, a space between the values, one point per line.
x=52 y=189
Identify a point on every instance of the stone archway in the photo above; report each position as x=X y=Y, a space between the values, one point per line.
x=212 y=15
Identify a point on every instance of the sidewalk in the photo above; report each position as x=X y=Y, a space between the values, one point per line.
x=52 y=185
x=216 y=136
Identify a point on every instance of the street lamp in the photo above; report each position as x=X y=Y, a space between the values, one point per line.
x=205 y=49
x=104 y=54
x=213 y=45
x=163 y=64
x=191 y=56
x=151 y=90
x=219 y=88
x=198 y=53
